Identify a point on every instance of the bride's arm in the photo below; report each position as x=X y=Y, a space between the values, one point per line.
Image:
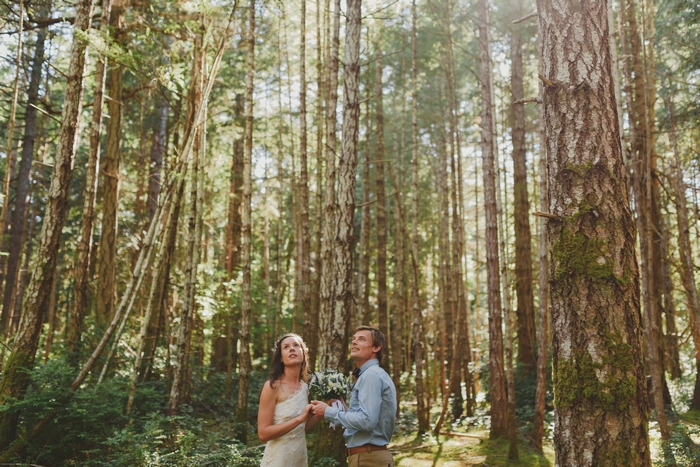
x=267 y=430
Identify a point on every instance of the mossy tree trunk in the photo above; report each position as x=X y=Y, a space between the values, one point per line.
x=601 y=408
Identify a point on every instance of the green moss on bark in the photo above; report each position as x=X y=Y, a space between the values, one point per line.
x=577 y=384
x=577 y=255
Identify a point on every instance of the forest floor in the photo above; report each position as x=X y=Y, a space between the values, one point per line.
x=465 y=449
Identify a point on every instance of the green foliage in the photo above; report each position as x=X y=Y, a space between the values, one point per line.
x=680 y=449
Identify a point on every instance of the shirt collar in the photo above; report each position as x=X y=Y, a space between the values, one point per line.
x=369 y=363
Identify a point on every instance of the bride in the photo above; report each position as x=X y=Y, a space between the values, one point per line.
x=285 y=414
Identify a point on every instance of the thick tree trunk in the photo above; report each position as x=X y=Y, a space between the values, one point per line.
x=328 y=296
x=521 y=211
x=497 y=388
x=246 y=247
x=85 y=245
x=15 y=378
x=598 y=373
x=111 y=171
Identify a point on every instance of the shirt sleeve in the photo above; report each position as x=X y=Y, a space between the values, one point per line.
x=366 y=417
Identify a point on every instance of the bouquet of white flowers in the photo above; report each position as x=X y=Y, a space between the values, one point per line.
x=329 y=384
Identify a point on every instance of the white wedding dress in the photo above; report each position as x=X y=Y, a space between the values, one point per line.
x=289 y=450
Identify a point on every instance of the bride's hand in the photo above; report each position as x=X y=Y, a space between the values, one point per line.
x=306 y=413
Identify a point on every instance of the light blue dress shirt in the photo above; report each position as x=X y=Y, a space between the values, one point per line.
x=372 y=413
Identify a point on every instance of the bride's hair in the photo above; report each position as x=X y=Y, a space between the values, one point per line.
x=277 y=367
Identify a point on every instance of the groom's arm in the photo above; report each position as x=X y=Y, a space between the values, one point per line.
x=365 y=415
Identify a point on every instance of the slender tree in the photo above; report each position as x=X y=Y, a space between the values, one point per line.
x=497 y=389
x=110 y=169
x=521 y=211
x=416 y=325
x=380 y=183
x=246 y=247
x=19 y=213
x=85 y=245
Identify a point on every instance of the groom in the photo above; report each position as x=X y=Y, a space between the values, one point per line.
x=369 y=421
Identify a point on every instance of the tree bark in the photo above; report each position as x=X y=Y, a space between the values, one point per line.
x=19 y=214
x=10 y=161
x=521 y=211
x=601 y=410
x=111 y=172
x=304 y=228
x=15 y=378
x=382 y=300
x=416 y=325
x=364 y=311
x=246 y=247
x=687 y=268
x=156 y=158
x=497 y=389
x=85 y=245
x=328 y=296
x=543 y=315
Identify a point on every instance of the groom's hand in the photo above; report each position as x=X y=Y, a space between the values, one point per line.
x=319 y=408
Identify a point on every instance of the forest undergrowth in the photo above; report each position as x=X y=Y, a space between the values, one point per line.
x=92 y=430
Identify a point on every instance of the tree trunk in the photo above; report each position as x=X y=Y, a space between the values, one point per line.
x=85 y=245
x=416 y=325
x=497 y=389
x=521 y=211
x=11 y=157
x=111 y=171
x=10 y=163
x=15 y=378
x=687 y=268
x=382 y=301
x=508 y=312
x=225 y=339
x=543 y=316
x=157 y=154
x=19 y=214
x=246 y=247
x=598 y=373
x=304 y=228
x=325 y=316
x=180 y=387
x=364 y=312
